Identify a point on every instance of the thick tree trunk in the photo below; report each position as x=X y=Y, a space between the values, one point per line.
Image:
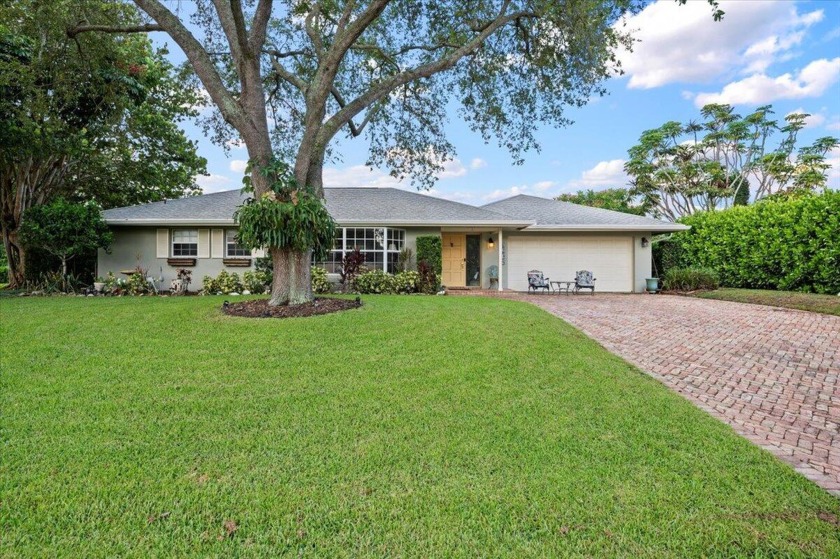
x=24 y=183
x=16 y=256
x=292 y=269
x=292 y=283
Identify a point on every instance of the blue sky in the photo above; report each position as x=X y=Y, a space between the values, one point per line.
x=784 y=53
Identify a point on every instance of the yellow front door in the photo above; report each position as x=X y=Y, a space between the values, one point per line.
x=454 y=256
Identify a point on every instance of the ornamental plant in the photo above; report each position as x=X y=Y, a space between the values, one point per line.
x=320 y=282
x=290 y=217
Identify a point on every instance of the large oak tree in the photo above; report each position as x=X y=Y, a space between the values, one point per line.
x=387 y=69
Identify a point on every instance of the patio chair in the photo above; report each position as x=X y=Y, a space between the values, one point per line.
x=537 y=281
x=584 y=280
x=493 y=275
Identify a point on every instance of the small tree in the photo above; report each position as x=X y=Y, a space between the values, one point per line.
x=65 y=230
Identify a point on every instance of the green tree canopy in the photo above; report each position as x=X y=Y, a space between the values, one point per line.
x=65 y=229
x=679 y=169
x=90 y=117
x=616 y=199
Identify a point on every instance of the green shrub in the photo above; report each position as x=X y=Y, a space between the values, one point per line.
x=667 y=253
x=264 y=267
x=209 y=285
x=320 y=283
x=254 y=282
x=137 y=284
x=782 y=243
x=427 y=281
x=690 y=279
x=406 y=282
x=429 y=251
x=225 y=283
x=229 y=282
x=374 y=281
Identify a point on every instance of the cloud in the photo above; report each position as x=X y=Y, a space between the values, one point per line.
x=683 y=43
x=604 y=173
x=363 y=176
x=236 y=143
x=238 y=165
x=359 y=175
x=453 y=169
x=834 y=123
x=478 y=163
x=812 y=81
x=214 y=183
x=501 y=193
x=540 y=188
x=816 y=119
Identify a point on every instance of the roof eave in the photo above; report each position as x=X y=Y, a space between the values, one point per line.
x=341 y=223
x=666 y=228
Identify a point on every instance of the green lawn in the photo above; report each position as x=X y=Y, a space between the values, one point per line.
x=412 y=427
x=827 y=304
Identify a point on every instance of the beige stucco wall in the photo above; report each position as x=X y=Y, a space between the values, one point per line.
x=641 y=256
x=137 y=246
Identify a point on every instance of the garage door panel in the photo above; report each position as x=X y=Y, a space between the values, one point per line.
x=610 y=258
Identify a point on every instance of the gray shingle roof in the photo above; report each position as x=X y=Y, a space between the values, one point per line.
x=553 y=215
x=392 y=206
x=348 y=206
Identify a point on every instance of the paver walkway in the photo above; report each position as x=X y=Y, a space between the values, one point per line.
x=770 y=373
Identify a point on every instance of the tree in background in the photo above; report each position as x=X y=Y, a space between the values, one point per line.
x=616 y=199
x=65 y=230
x=88 y=118
x=386 y=69
x=680 y=169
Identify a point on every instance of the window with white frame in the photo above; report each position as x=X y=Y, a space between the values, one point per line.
x=232 y=248
x=380 y=245
x=185 y=242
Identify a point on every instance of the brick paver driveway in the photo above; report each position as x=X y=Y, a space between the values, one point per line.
x=772 y=374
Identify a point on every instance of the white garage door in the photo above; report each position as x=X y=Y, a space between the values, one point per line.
x=610 y=258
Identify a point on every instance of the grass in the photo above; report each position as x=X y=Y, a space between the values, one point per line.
x=826 y=304
x=412 y=427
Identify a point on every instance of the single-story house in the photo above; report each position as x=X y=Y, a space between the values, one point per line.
x=515 y=235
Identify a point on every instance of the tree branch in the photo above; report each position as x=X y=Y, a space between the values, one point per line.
x=203 y=65
x=288 y=76
x=83 y=27
x=424 y=71
x=259 y=26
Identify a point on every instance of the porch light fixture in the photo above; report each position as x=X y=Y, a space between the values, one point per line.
x=645 y=242
x=490 y=243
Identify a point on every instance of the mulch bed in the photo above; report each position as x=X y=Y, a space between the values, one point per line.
x=258 y=308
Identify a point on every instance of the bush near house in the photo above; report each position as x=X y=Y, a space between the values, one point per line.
x=429 y=250
x=780 y=243
x=379 y=282
x=320 y=282
x=690 y=279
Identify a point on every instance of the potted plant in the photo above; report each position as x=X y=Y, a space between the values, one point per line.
x=652 y=285
x=99 y=284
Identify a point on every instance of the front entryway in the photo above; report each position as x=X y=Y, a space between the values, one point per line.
x=454 y=259
x=461 y=260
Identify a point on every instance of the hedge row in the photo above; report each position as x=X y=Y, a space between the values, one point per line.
x=429 y=250
x=786 y=244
